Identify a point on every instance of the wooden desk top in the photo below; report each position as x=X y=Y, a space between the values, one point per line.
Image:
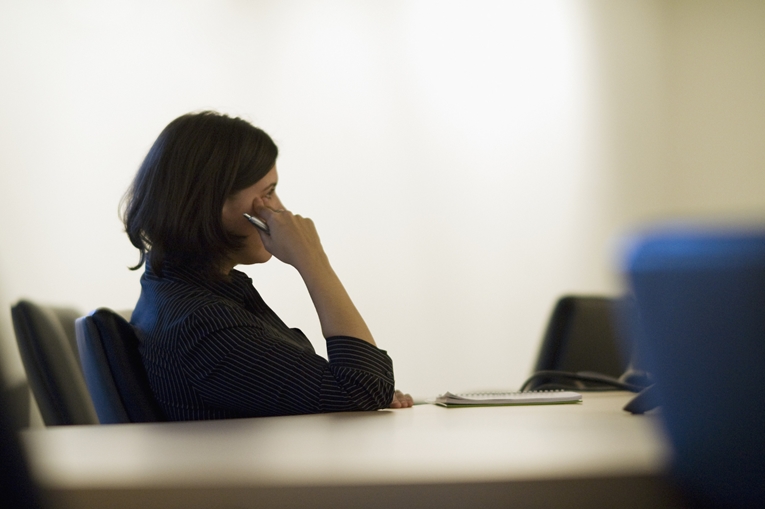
x=425 y=446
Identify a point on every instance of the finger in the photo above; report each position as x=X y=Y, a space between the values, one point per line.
x=403 y=400
x=264 y=212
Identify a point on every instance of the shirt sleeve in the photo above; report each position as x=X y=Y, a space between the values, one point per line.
x=254 y=370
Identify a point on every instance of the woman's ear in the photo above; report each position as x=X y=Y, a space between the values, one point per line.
x=228 y=207
x=233 y=207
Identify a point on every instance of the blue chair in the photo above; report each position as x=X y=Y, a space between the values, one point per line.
x=113 y=369
x=45 y=336
x=700 y=296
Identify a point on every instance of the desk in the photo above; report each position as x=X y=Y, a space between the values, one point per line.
x=585 y=455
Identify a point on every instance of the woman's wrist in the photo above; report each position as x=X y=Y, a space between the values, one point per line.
x=316 y=265
x=337 y=314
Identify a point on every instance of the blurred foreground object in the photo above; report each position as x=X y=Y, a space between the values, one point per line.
x=700 y=296
x=17 y=489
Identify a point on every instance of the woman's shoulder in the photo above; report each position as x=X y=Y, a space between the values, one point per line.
x=186 y=284
x=178 y=301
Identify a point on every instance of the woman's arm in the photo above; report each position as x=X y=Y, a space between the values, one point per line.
x=252 y=370
x=294 y=240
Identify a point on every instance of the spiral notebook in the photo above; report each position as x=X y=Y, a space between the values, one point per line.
x=508 y=398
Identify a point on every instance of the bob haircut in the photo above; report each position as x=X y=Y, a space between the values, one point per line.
x=173 y=209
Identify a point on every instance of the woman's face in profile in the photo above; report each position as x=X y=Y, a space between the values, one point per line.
x=262 y=193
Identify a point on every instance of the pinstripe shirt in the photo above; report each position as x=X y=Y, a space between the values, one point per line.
x=214 y=350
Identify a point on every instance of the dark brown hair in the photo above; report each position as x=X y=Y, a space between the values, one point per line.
x=173 y=209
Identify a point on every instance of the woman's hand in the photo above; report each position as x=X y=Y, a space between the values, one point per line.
x=401 y=400
x=293 y=239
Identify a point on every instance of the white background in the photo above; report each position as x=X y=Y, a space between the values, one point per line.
x=466 y=163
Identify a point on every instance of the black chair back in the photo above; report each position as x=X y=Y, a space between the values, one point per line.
x=582 y=336
x=113 y=369
x=51 y=362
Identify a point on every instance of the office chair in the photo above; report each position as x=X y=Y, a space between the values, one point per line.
x=113 y=369
x=51 y=362
x=581 y=336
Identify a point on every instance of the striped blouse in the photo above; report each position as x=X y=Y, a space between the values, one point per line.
x=215 y=350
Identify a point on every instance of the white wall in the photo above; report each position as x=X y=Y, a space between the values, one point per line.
x=716 y=78
x=684 y=118
x=465 y=162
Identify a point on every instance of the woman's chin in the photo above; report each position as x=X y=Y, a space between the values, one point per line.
x=261 y=257
x=251 y=257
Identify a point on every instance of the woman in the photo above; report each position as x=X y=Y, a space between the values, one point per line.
x=211 y=347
